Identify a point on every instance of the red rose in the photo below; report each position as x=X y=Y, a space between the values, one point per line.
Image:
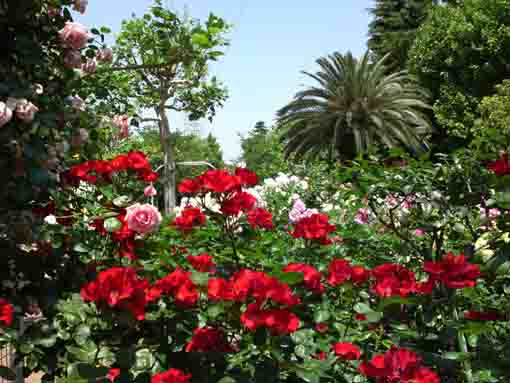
x=359 y=275
x=398 y=365
x=6 y=312
x=202 y=263
x=240 y=201
x=118 y=287
x=189 y=186
x=312 y=277
x=248 y=178
x=207 y=339
x=220 y=289
x=484 y=316
x=220 y=181
x=454 y=271
x=178 y=284
x=321 y=355
x=501 y=166
x=113 y=374
x=120 y=163
x=127 y=249
x=347 y=351
x=315 y=227
x=360 y=317
x=148 y=175
x=124 y=233
x=260 y=218
x=393 y=280
x=339 y=271
x=281 y=321
x=189 y=218
x=321 y=328
x=138 y=161
x=171 y=376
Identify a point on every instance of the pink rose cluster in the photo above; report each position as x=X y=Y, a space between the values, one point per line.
x=24 y=110
x=143 y=219
x=300 y=211
x=122 y=123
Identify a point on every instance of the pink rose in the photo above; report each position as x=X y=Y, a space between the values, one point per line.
x=72 y=59
x=362 y=216
x=419 y=232
x=76 y=102
x=150 y=191
x=122 y=122
x=143 y=218
x=74 y=35
x=5 y=114
x=89 y=66
x=105 y=55
x=25 y=110
x=80 y=5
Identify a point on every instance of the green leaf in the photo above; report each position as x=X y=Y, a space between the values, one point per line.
x=92 y=373
x=95 y=31
x=122 y=201
x=215 y=310
x=200 y=39
x=112 y=224
x=291 y=278
x=227 y=379
x=7 y=373
x=321 y=316
x=460 y=356
x=362 y=308
x=81 y=248
x=144 y=359
x=105 y=30
x=201 y=279
x=82 y=334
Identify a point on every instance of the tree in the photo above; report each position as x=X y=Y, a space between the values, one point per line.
x=354 y=107
x=393 y=29
x=262 y=151
x=165 y=61
x=460 y=53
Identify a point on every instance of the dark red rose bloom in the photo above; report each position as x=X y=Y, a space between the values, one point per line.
x=240 y=201
x=207 y=339
x=220 y=181
x=171 y=376
x=220 y=289
x=188 y=185
x=341 y=271
x=98 y=225
x=248 y=178
x=312 y=277
x=454 y=271
x=425 y=288
x=315 y=228
x=393 y=280
x=177 y=284
x=260 y=218
x=485 y=316
x=118 y=287
x=148 y=175
x=347 y=351
x=138 y=161
x=398 y=365
x=202 y=263
x=124 y=233
x=112 y=374
x=321 y=355
x=360 y=317
x=43 y=211
x=277 y=320
x=127 y=249
x=190 y=217
x=6 y=312
x=501 y=166
x=120 y=163
x=321 y=328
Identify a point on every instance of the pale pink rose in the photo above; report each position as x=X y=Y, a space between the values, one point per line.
x=72 y=59
x=54 y=11
x=494 y=213
x=5 y=114
x=89 y=66
x=143 y=218
x=105 y=55
x=419 y=232
x=74 y=35
x=80 y=5
x=76 y=102
x=122 y=122
x=150 y=191
x=362 y=216
x=391 y=201
x=26 y=111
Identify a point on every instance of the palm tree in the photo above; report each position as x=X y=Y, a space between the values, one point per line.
x=355 y=106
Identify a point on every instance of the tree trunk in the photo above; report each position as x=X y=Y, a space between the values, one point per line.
x=169 y=187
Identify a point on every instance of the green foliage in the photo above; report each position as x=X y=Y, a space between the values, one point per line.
x=393 y=29
x=460 y=54
x=262 y=151
x=355 y=107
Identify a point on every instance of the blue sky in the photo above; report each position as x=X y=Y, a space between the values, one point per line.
x=271 y=42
